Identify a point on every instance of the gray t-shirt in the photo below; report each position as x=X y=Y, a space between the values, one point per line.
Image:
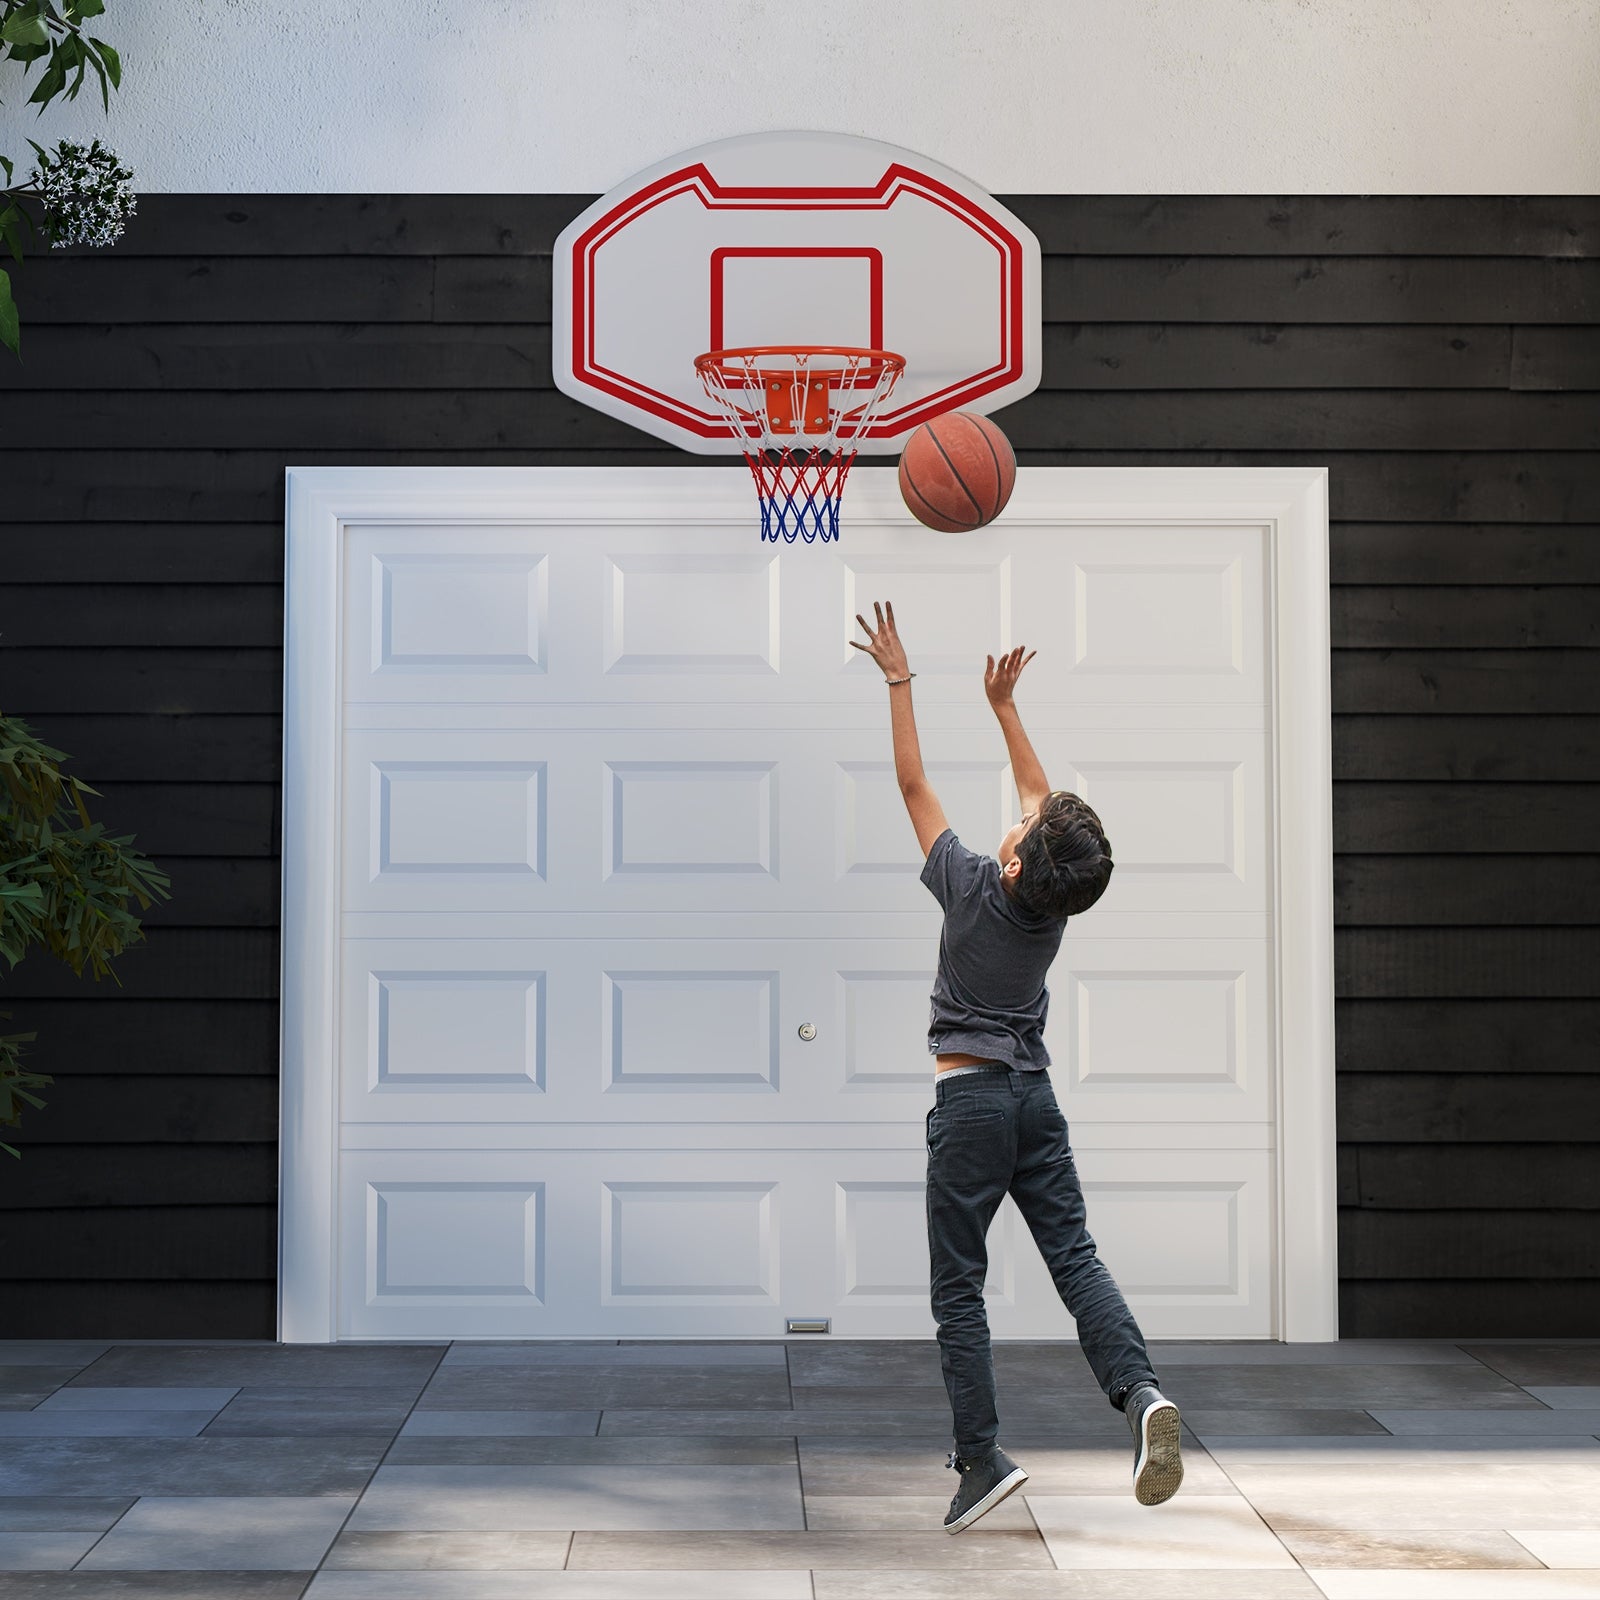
x=989 y=998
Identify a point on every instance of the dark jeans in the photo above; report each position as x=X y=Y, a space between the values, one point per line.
x=990 y=1133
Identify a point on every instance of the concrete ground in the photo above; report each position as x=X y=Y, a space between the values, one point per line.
x=799 y=1470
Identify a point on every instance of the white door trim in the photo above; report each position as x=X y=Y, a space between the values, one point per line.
x=1290 y=503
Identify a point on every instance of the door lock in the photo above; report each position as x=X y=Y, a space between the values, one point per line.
x=808 y=1031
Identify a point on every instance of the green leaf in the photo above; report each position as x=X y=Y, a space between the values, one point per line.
x=10 y=328
x=89 y=8
x=50 y=85
x=22 y=27
x=112 y=60
x=7 y=165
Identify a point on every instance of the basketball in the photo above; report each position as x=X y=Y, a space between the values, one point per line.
x=957 y=472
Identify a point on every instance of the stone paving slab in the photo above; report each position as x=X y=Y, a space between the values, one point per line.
x=583 y=1497
x=1385 y=1548
x=426 y=1550
x=695 y=1585
x=73 y=1423
x=236 y=1532
x=1216 y=1531
x=983 y=1549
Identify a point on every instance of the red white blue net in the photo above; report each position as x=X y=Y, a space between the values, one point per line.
x=799 y=415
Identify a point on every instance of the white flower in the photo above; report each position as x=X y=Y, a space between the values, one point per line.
x=86 y=194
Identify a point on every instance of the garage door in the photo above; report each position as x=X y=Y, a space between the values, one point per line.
x=631 y=963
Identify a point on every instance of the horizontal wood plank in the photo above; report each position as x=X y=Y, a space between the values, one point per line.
x=1462 y=1036
x=1074 y=224
x=145 y=552
x=1485 y=891
x=1504 y=749
x=1242 y=289
x=121 y=1034
x=1420 y=1245
x=1443 y=552
x=1494 y=963
x=1466 y=820
x=515 y=354
x=1507 y=1308
x=152 y=1108
x=106 y=1307
x=247 y=485
x=145 y=1241
x=1535 y=682
x=167 y=964
x=1464 y=617
x=1477 y=1108
x=146 y=615
x=221 y=747
x=1555 y=358
x=1441 y=1177
x=75 y=1178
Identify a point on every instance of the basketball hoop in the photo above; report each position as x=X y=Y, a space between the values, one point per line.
x=799 y=413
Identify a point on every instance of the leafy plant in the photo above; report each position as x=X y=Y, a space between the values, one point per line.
x=64 y=885
x=84 y=193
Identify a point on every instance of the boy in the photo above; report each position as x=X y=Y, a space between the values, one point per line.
x=995 y=1126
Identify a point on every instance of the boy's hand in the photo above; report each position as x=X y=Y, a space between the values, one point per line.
x=885 y=647
x=998 y=682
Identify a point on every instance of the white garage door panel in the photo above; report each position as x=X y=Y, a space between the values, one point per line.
x=771 y=820
x=616 y=1030
x=604 y=810
x=639 y=615
x=447 y=1244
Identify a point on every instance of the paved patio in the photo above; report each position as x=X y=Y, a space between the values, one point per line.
x=798 y=1470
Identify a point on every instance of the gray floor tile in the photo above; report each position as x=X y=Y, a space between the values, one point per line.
x=1563 y=1362
x=585 y=1497
x=1344 y=1352
x=1534 y=1421
x=1494 y=1506
x=1087 y=1402
x=427 y=1551
x=696 y=1585
x=1567 y=1396
x=981 y=1548
x=73 y=1423
x=1260 y=1421
x=23 y=1552
x=60 y=1513
x=1372 y=1584
x=1415 y=1450
x=580 y=1388
x=188 y=1466
x=857 y=1423
x=1360 y=1388
x=235 y=1532
x=72 y=1353
x=903 y=1513
x=36 y=1377
x=1424 y=1548
x=662 y=1449
x=198 y=1585
x=1260 y=1584
x=21 y=1399
x=92 y=1397
x=244 y=1363
x=622 y=1358
x=268 y=1419
x=510 y=1423
x=1561 y=1547
x=1215 y=1531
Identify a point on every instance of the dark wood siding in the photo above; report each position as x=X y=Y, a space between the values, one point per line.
x=1440 y=355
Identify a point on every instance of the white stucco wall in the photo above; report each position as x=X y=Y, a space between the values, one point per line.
x=1061 y=96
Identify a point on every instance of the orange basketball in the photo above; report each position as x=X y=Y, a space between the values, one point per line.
x=957 y=472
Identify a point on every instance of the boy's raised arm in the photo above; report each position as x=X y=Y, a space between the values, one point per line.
x=998 y=684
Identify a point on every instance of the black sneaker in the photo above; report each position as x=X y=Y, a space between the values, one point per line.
x=984 y=1484
x=1157 y=1430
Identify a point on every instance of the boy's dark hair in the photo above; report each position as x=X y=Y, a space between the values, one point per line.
x=1066 y=859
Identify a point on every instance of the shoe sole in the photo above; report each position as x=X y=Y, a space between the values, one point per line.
x=1014 y=1479
x=1159 y=1469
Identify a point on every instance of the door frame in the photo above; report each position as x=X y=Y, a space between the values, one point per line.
x=1290 y=503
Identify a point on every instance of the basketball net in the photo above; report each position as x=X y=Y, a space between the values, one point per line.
x=799 y=413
